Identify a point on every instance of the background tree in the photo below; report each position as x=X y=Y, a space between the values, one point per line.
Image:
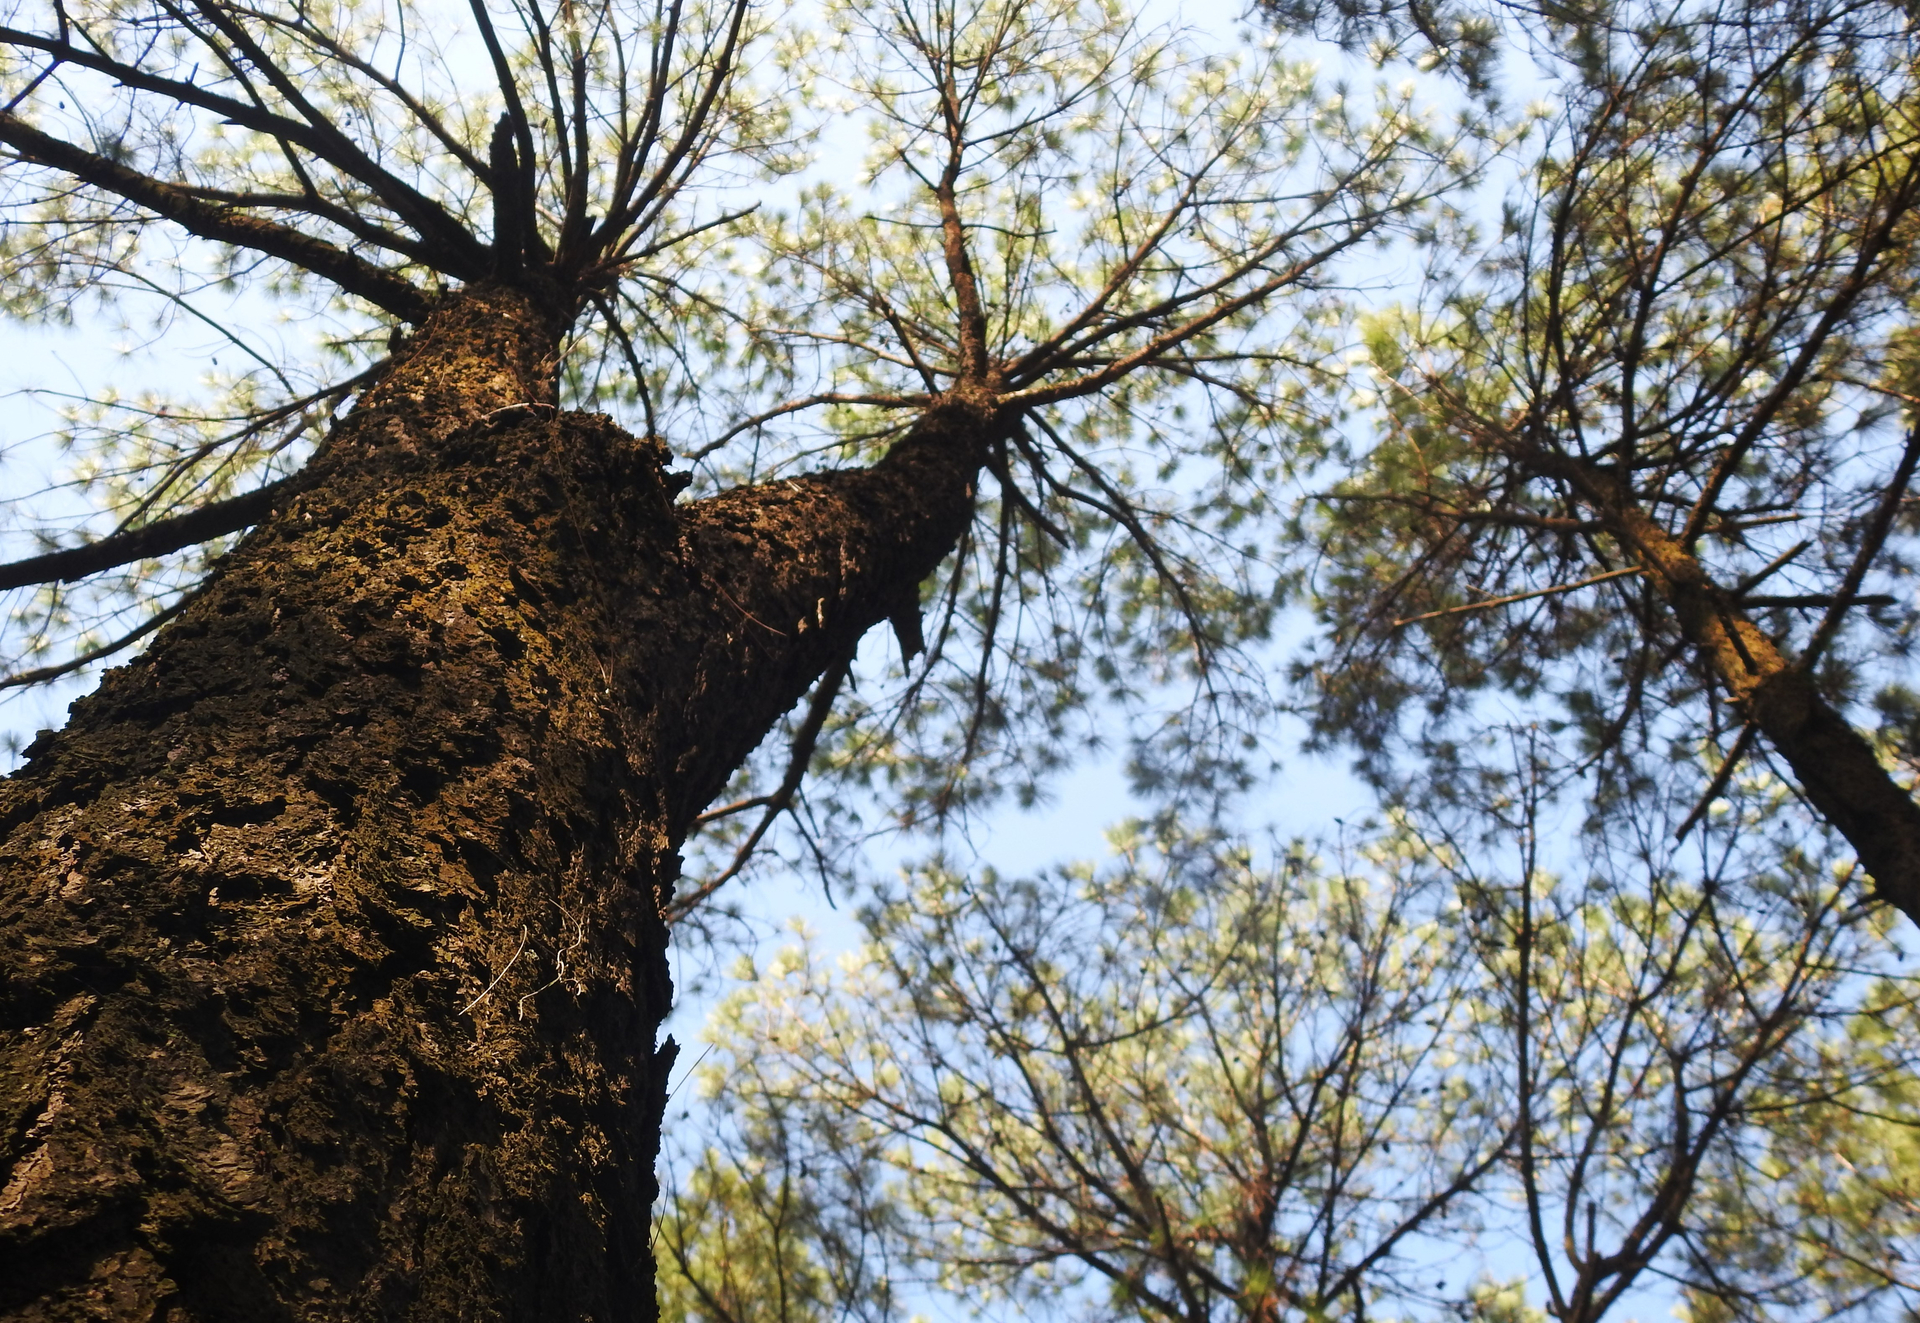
x=334 y=926
x=783 y=1219
x=1698 y=1050
x=1644 y=470
x=1190 y=1087
x=1665 y=1036
x=1186 y=1088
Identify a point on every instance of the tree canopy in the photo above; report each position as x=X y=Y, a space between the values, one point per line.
x=1215 y=1081
x=1641 y=467
x=1128 y=237
x=344 y=904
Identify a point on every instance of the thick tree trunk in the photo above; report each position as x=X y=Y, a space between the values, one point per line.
x=330 y=927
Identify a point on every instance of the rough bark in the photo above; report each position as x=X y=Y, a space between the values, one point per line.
x=330 y=927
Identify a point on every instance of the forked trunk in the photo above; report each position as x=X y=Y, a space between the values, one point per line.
x=330 y=927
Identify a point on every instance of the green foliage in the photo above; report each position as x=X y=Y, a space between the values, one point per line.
x=1828 y=1210
x=785 y=1220
x=735 y=1247
x=1129 y=237
x=1198 y=1085
x=1186 y=1084
x=1699 y=296
x=1667 y=1033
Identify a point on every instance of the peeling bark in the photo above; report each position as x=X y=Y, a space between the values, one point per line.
x=330 y=927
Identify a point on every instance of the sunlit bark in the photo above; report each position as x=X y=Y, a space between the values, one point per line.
x=332 y=924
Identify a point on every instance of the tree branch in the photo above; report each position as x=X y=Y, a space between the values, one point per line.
x=155 y=539
x=1837 y=769
x=41 y=674
x=779 y=801
x=1518 y=597
x=383 y=288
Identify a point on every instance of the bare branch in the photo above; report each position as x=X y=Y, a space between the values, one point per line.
x=41 y=675
x=159 y=538
x=800 y=756
x=383 y=288
x=1519 y=597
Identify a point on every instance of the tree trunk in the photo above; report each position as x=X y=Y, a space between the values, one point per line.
x=330 y=927
x=1837 y=769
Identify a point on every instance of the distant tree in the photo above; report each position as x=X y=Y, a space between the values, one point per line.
x=776 y=1225
x=1643 y=466
x=1823 y=1218
x=1191 y=1088
x=334 y=925
x=1187 y=1088
x=1663 y=1037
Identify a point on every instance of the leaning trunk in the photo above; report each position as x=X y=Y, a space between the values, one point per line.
x=331 y=927
x=1837 y=769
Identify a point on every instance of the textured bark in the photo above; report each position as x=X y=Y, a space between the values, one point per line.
x=330 y=927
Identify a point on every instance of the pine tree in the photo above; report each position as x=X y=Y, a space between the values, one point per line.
x=334 y=945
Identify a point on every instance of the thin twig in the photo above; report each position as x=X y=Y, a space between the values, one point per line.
x=781 y=799
x=1779 y=562
x=743 y=611
x=1718 y=785
x=1518 y=597
x=811 y=401
x=1871 y=541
